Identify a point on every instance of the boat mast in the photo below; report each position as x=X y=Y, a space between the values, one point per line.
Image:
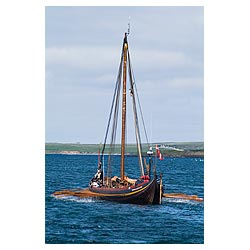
x=125 y=49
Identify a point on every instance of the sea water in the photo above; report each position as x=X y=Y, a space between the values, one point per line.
x=70 y=220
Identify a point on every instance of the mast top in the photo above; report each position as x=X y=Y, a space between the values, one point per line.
x=125 y=41
x=127 y=33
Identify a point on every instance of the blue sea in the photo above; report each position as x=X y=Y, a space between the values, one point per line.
x=89 y=221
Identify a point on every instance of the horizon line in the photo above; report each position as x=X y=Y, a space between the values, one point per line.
x=127 y=143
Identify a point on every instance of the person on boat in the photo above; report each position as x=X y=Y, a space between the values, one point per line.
x=142 y=179
x=99 y=176
x=94 y=184
x=145 y=178
x=97 y=180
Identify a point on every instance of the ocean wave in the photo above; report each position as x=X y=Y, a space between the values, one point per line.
x=177 y=200
x=73 y=198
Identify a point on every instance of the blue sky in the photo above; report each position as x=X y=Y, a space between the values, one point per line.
x=82 y=55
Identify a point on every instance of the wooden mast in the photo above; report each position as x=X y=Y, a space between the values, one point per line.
x=125 y=49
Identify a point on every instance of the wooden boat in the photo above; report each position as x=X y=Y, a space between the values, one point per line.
x=147 y=189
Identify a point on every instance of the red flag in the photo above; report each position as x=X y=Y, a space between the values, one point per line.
x=159 y=154
x=161 y=157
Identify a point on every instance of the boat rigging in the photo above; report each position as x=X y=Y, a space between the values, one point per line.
x=146 y=189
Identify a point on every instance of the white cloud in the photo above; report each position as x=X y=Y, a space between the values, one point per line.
x=168 y=86
x=88 y=58
x=107 y=58
x=187 y=82
x=83 y=47
x=160 y=59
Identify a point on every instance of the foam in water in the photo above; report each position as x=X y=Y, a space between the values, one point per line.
x=73 y=198
x=176 y=200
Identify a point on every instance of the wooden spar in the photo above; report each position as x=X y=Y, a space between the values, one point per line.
x=80 y=193
x=160 y=196
x=125 y=48
x=86 y=193
x=183 y=196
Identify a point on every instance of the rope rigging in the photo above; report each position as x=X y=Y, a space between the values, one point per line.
x=118 y=83
x=138 y=100
x=114 y=114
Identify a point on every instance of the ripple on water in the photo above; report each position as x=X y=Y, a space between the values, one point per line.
x=73 y=220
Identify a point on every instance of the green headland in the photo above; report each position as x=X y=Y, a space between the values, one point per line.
x=168 y=149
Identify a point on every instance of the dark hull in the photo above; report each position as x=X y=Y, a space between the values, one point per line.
x=157 y=198
x=147 y=193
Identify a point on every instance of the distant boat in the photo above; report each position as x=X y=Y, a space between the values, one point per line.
x=147 y=188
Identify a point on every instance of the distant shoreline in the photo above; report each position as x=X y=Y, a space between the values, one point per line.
x=165 y=156
x=169 y=150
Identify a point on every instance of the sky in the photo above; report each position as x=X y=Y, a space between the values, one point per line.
x=82 y=50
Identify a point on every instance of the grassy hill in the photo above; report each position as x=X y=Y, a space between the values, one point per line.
x=171 y=149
